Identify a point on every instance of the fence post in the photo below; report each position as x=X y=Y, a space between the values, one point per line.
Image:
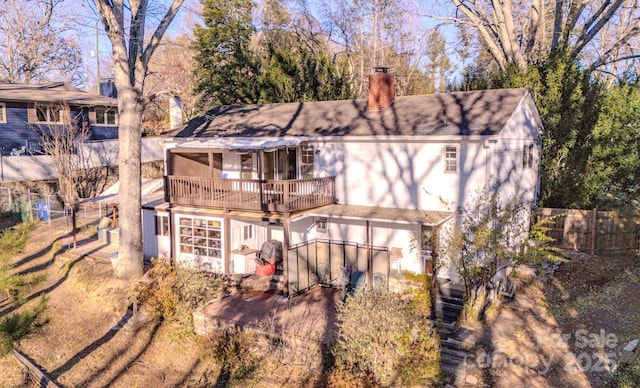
x=48 y=209
x=10 y=199
x=30 y=205
x=594 y=225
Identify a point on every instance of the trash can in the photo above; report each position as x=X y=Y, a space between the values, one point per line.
x=43 y=211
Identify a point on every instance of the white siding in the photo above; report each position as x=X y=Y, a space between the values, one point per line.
x=513 y=179
x=406 y=175
x=152 y=244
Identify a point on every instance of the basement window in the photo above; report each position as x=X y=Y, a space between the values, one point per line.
x=322 y=225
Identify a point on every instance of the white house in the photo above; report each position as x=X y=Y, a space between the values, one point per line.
x=361 y=182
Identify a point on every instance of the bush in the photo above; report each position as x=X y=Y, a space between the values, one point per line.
x=16 y=326
x=385 y=339
x=173 y=292
x=234 y=351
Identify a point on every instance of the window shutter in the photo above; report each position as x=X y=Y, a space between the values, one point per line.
x=92 y=116
x=65 y=115
x=31 y=114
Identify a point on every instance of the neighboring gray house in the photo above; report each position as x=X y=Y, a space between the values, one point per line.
x=369 y=183
x=24 y=108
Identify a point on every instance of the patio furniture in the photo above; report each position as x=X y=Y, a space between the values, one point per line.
x=357 y=281
x=378 y=281
x=323 y=274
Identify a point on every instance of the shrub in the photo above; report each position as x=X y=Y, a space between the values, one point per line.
x=385 y=339
x=173 y=292
x=234 y=351
x=12 y=242
x=16 y=326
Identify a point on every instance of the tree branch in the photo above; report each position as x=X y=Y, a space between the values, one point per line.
x=585 y=38
x=161 y=29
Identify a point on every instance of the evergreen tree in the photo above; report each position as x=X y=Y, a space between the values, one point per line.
x=226 y=68
x=591 y=136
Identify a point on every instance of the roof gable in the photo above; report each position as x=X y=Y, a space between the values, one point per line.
x=475 y=113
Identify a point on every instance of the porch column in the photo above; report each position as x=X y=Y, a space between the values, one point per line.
x=263 y=203
x=226 y=225
x=285 y=256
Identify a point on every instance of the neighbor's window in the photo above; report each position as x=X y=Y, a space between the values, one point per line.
x=527 y=156
x=48 y=114
x=322 y=225
x=450 y=159
x=3 y=112
x=162 y=225
x=105 y=116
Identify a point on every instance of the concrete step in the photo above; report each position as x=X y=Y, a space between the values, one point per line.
x=109 y=236
x=452 y=354
x=451 y=290
x=448 y=305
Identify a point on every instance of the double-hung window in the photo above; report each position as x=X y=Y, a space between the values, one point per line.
x=106 y=116
x=527 y=156
x=162 y=225
x=48 y=114
x=451 y=159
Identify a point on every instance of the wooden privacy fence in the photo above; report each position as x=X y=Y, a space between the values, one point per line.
x=307 y=260
x=592 y=231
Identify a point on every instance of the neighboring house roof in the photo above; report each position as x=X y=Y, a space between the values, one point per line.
x=151 y=190
x=483 y=113
x=56 y=92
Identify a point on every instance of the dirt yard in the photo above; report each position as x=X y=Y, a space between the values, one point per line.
x=565 y=331
x=92 y=340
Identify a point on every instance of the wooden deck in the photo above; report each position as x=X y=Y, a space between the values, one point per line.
x=278 y=196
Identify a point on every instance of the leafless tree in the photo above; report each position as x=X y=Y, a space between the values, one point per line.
x=37 y=44
x=372 y=33
x=76 y=173
x=170 y=73
x=132 y=52
x=599 y=32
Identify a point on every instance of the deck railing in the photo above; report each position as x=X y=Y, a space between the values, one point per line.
x=271 y=195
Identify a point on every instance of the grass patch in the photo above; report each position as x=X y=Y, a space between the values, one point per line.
x=12 y=242
x=627 y=376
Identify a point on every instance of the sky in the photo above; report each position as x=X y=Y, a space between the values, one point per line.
x=184 y=23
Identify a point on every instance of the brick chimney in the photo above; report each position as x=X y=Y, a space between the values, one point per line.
x=381 y=89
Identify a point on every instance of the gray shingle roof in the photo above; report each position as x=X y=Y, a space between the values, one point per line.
x=57 y=92
x=482 y=112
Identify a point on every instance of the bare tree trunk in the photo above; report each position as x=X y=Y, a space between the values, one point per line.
x=130 y=256
x=131 y=55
